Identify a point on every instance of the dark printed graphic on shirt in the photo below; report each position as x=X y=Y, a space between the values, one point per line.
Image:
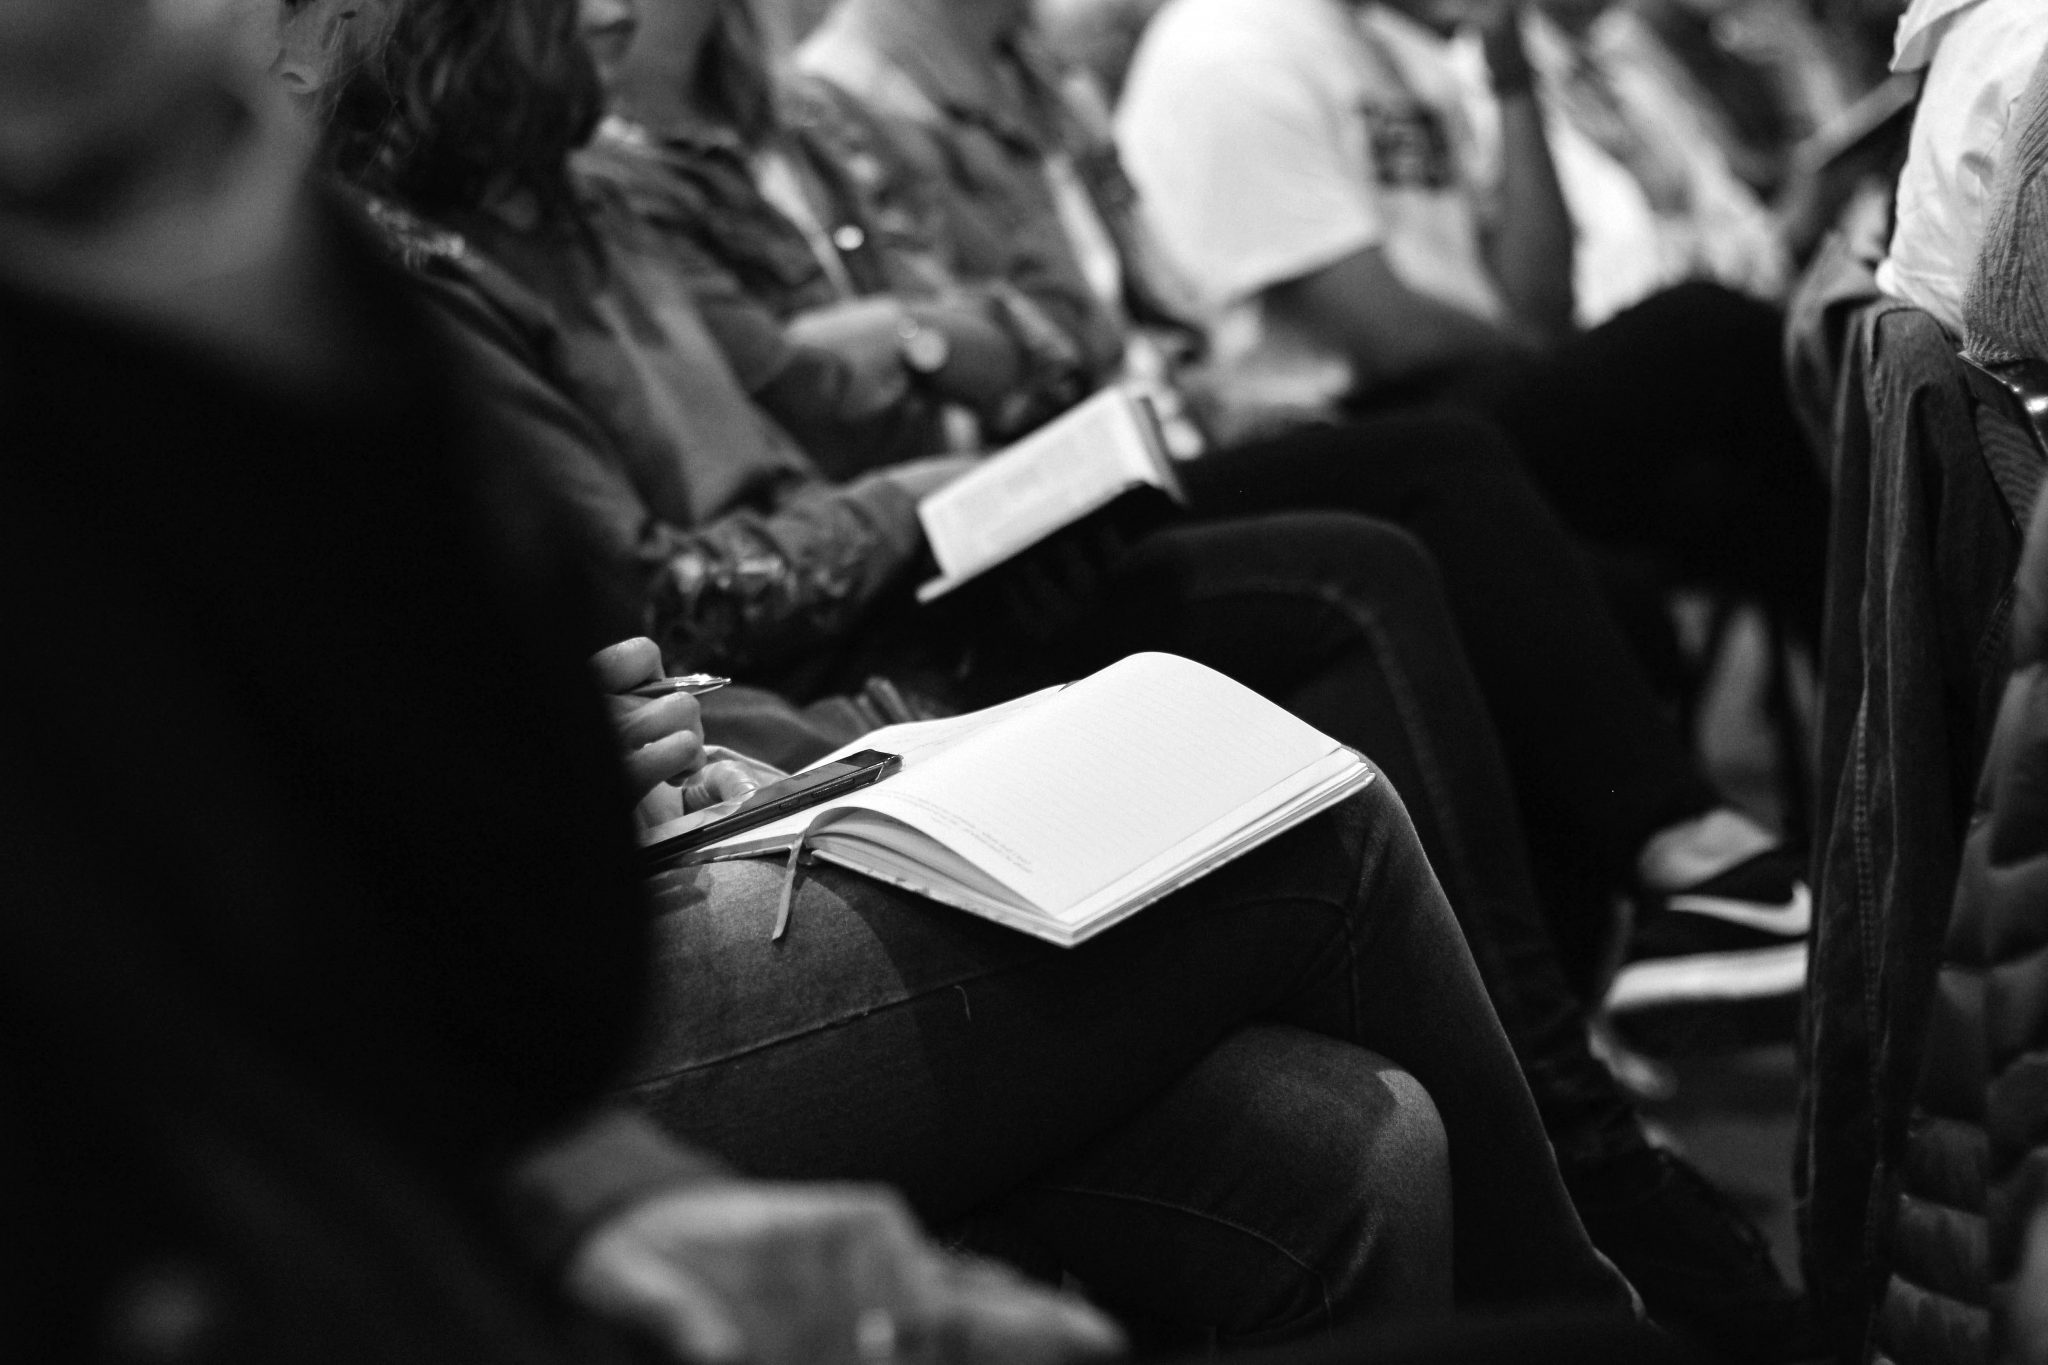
x=1411 y=146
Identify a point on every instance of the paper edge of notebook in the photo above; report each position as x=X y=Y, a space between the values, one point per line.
x=935 y=588
x=1061 y=933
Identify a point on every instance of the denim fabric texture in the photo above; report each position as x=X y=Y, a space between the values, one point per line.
x=1269 y=1183
x=1921 y=557
x=1592 y=764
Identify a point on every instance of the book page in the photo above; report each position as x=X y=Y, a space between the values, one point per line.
x=1048 y=480
x=915 y=742
x=1068 y=797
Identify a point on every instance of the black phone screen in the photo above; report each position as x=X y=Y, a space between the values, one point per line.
x=786 y=797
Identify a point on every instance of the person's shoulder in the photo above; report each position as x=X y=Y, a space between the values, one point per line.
x=458 y=282
x=626 y=170
x=1965 y=35
x=1193 y=47
x=1204 y=30
x=2011 y=34
x=1411 y=38
x=839 y=55
x=420 y=246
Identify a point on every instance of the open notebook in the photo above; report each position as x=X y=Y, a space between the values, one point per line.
x=1063 y=812
x=1071 y=468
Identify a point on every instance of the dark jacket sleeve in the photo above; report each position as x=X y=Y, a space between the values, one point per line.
x=745 y=592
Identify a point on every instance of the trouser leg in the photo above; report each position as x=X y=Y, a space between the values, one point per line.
x=892 y=1039
x=1344 y=622
x=1669 y=428
x=1204 y=1186
x=1598 y=764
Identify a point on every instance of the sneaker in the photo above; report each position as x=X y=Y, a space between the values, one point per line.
x=1737 y=937
x=1704 y=1271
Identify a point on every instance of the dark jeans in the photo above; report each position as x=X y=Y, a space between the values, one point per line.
x=1344 y=622
x=1553 y=1338
x=1667 y=430
x=1598 y=765
x=1266 y=1181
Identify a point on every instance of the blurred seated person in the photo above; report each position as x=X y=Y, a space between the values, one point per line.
x=1309 y=161
x=1653 y=200
x=881 y=339
x=303 y=1044
x=975 y=1065
x=1977 y=56
x=1760 y=75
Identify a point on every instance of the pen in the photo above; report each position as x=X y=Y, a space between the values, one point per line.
x=696 y=684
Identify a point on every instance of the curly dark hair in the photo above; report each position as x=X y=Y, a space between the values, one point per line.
x=464 y=99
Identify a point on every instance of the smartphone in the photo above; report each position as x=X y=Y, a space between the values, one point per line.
x=786 y=797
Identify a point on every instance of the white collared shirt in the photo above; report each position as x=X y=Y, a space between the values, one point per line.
x=1978 y=55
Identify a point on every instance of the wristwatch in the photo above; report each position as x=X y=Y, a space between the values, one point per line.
x=925 y=350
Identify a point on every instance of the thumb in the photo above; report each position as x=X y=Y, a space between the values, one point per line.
x=718 y=782
x=636 y=1285
x=997 y=1318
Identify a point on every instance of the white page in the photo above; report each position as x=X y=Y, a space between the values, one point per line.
x=1280 y=807
x=915 y=742
x=1049 y=479
x=1169 y=747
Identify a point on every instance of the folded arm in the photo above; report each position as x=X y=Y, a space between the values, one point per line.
x=745 y=592
x=1361 y=309
x=1529 y=250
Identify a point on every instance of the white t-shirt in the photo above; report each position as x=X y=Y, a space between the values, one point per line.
x=1271 y=138
x=1979 y=55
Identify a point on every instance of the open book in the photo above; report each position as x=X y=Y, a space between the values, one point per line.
x=1066 y=811
x=1073 y=466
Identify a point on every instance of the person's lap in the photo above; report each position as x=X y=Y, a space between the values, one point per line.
x=889 y=1038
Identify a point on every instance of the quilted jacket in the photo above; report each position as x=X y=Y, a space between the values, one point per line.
x=1978 y=1145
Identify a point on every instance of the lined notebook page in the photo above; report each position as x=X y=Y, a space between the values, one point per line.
x=1169 y=746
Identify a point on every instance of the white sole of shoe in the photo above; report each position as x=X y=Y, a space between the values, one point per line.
x=1754 y=974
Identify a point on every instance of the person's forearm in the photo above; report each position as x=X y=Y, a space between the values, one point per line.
x=983 y=365
x=1531 y=252
x=1436 y=337
x=1388 y=331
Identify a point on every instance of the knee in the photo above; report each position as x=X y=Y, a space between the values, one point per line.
x=1367 y=560
x=1358 y=1145
x=1399 y=1192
